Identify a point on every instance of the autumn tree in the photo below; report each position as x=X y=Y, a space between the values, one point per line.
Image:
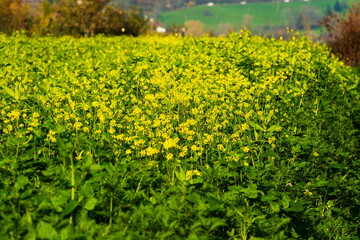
x=343 y=34
x=194 y=28
x=16 y=15
x=89 y=17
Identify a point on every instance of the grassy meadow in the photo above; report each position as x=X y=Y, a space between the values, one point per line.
x=177 y=138
x=269 y=14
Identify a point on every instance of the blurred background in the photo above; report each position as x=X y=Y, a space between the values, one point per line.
x=187 y=17
x=335 y=22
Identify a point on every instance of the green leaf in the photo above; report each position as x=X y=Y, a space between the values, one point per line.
x=194 y=197
x=301 y=165
x=268 y=153
x=90 y=203
x=60 y=199
x=9 y=91
x=67 y=232
x=269 y=197
x=46 y=231
x=256 y=238
x=60 y=129
x=87 y=189
x=295 y=207
x=275 y=207
x=285 y=200
x=153 y=200
x=322 y=183
x=250 y=192
x=256 y=126
x=21 y=181
x=180 y=175
x=69 y=208
x=218 y=223
x=268 y=118
x=273 y=128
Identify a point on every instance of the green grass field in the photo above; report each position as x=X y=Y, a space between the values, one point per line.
x=262 y=14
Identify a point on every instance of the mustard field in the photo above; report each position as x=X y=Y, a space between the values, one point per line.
x=177 y=138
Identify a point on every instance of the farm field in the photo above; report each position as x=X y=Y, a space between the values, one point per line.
x=177 y=138
x=256 y=14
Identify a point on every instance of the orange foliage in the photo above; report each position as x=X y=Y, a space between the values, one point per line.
x=70 y=17
x=16 y=15
x=344 y=35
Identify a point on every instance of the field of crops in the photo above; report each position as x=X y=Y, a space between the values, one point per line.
x=177 y=138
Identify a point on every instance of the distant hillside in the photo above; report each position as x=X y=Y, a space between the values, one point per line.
x=251 y=14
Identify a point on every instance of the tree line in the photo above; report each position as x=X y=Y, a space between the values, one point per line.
x=70 y=17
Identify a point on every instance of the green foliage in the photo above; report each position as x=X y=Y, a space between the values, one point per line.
x=177 y=138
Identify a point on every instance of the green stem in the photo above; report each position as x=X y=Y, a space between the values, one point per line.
x=111 y=207
x=72 y=182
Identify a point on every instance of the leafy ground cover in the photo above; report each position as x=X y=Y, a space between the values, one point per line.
x=177 y=138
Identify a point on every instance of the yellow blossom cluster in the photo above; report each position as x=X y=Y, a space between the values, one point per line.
x=160 y=98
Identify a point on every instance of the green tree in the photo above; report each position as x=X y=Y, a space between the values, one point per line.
x=337 y=6
x=329 y=10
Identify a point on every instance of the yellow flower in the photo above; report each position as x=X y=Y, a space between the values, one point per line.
x=221 y=147
x=170 y=142
x=50 y=136
x=271 y=140
x=151 y=151
x=112 y=123
x=244 y=127
x=315 y=154
x=184 y=152
x=95 y=104
x=137 y=111
x=208 y=138
x=195 y=148
x=14 y=114
x=139 y=142
x=191 y=173
x=246 y=149
x=307 y=192
x=169 y=156
x=111 y=130
x=77 y=125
